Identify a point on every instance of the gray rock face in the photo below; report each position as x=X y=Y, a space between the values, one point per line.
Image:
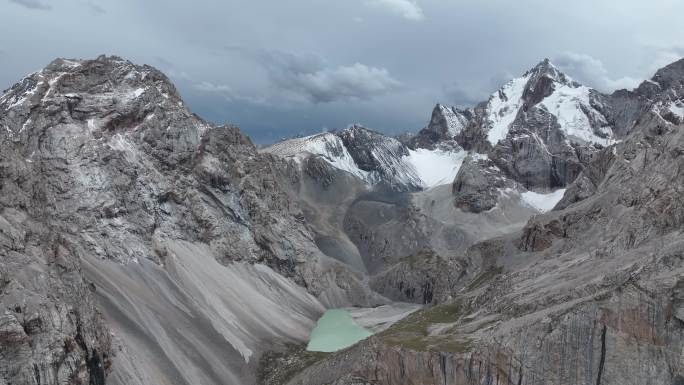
x=419 y=278
x=477 y=185
x=589 y=293
x=105 y=176
x=376 y=159
x=51 y=331
x=445 y=124
x=375 y=152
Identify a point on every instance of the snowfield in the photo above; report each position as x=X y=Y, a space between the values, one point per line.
x=436 y=167
x=542 y=202
x=568 y=103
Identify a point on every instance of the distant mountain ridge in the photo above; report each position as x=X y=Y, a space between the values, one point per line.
x=538 y=129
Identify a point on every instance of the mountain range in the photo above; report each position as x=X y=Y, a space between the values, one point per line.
x=535 y=238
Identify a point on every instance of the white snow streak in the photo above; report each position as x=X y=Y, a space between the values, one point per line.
x=503 y=107
x=455 y=122
x=327 y=145
x=677 y=108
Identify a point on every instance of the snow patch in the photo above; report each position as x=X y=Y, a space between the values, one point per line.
x=566 y=103
x=677 y=108
x=121 y=142
x=26 y=123
x=542 y=202
x=435 y=167
x=17 y=102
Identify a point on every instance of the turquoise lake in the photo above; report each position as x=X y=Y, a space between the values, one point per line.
x=335 y=330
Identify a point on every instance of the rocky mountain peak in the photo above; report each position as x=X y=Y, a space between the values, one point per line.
x=546 y=68
x=107 y=101
x=105 y=74
x=448 y=121
x=662 y=95
x=671 y=75
x=107 y=94
x=381 y=155
x=358 y=129
x=444 y=125
x=542 y=81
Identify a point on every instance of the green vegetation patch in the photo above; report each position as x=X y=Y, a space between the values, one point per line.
x=484 y=277
x=423 y=256
x=412 y=332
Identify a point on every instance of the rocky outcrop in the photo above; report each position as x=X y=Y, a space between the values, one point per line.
x=478 y=185
x=419 y=278
x=385 y=228
x=50 y=330
x=445 y=124
x=320 y=170
x=381 y=155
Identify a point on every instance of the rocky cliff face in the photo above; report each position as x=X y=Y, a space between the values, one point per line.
x=115 y=196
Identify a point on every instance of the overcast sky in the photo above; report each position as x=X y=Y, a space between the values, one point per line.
x=278 y=68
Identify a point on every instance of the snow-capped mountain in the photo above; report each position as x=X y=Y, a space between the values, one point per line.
x=535 y=129
x=538 y=128
x=377 y=159
x=544 y=90
x=326 y=145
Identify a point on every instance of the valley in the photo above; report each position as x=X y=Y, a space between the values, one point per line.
x=534 y=238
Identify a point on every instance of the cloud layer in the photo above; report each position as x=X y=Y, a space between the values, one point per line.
x=591 y=71
x=32 y=4
x=405 y=8
x=324 y=85
x=283 y=67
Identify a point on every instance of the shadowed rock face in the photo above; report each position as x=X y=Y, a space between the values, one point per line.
x=477 y=185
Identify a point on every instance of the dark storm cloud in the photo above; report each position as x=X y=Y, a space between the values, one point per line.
x=306 y=77
x=32 y=4
x=278 y=68
x=301 y=78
